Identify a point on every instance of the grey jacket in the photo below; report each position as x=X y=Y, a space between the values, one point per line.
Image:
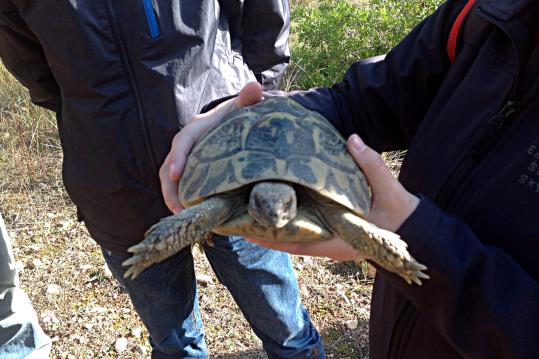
x=124 y=76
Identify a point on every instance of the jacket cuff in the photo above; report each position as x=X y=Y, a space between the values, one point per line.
x=421 y=225
x=418 y=231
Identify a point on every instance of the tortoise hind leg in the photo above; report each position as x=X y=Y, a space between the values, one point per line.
x=173 y=233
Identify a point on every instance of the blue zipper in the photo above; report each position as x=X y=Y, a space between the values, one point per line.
x=151 y=18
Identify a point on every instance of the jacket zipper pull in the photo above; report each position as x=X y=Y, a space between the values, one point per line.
x=507 y=110
x=495 y=124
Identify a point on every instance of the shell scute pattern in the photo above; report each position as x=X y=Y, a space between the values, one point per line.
x=276 y=139
x=214 y=180
x=225 y=145
x=257 y=165
x=274 y=136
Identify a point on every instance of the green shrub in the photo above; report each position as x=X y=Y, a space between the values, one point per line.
x=328 y=35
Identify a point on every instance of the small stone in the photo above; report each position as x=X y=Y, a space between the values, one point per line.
x=106 y=271
x=86 y=267
x=204 y=279
x=91 y=279
x=54 y=289
x=49 y=318
x=88 y=326
x=137 y=332
x=98 y=310
x=65 y=224
x=365 y=312
x=141 y=349
x=79 y=339
x=352 y=324
x=36 y=263
x=120 y=345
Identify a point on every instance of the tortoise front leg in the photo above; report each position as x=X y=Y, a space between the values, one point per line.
x=173 y=233
x=384 y=247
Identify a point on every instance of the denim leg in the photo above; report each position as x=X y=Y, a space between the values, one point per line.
x=264 y=286
x=20 y=333
x=165 y=298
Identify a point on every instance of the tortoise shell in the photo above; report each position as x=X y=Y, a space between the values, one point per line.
x=276 y=139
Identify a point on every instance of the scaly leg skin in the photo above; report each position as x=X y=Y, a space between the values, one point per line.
x=174 y=233
x=384 y=247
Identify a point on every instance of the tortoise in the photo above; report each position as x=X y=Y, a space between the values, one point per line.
x=274 y=171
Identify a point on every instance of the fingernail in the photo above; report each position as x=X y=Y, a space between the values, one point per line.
x=357 y=144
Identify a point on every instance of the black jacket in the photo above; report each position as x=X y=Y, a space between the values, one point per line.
x=124 y=75
x=472 y=134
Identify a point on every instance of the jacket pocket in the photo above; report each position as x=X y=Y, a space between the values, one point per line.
x=151 y=18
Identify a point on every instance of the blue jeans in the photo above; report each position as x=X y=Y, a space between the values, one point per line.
x=261 y=281
x=20 y=333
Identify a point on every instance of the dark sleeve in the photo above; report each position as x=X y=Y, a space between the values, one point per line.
x=478 y=297
x=261 y=27
x=23 y=56
x=384 y=99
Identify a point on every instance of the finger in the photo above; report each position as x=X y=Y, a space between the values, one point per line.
x=174 y=172
x=289 y=247
x=169 y=188
x=170 y=196
x=249 y=95
x=181 y=146
x=378 y=174
x=335 y=248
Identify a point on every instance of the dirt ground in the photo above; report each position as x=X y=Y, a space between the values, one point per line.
x=88 y=316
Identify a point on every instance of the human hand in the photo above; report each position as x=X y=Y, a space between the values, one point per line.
x=172 y=168
x=391 y=205
x=335 y=248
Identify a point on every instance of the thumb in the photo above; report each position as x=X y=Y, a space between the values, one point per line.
x=249 y=94
x=378 y=174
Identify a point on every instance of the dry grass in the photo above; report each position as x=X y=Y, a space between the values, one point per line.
x=83 y=308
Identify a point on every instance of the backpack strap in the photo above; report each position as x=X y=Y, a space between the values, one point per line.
x=455 y=31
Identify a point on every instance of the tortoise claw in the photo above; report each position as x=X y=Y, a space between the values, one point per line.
x=136 y=265
x=132 y=273
x=137 y=248
x=131 y=261
x=145 y=254
x=422 y=275
x=416 y=274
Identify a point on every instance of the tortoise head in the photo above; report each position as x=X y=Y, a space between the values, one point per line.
x=272 y=204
